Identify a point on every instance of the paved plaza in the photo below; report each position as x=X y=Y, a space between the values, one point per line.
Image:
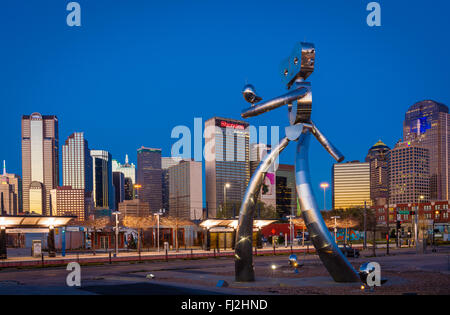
x=407 y=273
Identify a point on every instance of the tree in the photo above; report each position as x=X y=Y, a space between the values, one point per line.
x=95 y=224
x=174 y=222
x=139 y=223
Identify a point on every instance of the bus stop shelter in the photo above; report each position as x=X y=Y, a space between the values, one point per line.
x=22 y=223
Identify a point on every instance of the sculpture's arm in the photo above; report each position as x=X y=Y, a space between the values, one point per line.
x=326 y=144
x=274 y=103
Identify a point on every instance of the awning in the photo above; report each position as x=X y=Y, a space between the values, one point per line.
x=33 y=221
x=211 y=223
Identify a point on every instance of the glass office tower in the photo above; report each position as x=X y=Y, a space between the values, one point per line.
x=428 y=123
x=227 y=161
x=103 y=189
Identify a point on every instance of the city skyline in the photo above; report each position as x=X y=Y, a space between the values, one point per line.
x=78 y=61
x=73 y=138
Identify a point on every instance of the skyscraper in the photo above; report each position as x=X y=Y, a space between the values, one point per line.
x=103 y=189
x=128 y=169
x=166 y=163
x=409 y=173
x=351 y=185
x=185 y=191
x=119 y=188
x=149 y=177
x=285 y=190
x=9 y=201
x=428 y=123
x=15 y=183
x=379 y=183
x=40 y=161
x=258 y=152
x=226 y=162
x=77 y=163
x=128 y=189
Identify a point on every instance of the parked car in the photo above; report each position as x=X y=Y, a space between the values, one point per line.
x=349 y=251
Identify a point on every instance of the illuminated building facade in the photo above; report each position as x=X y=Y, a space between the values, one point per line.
x=149 y=176
x=226 y=161
x=428 y=123
x=77 y=163
x=351 y=185
x=66 y=200
x=409 y=173
x=128 y=169
x=377 y=157
x=40 y=161
x=10 y=193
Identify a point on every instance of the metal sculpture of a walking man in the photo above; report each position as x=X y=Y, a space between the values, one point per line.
x=295 y=70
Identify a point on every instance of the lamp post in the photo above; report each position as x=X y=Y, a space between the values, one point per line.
x=436 y=216
x=116 y=213
x=324 y=186
x=161 y=211
x=365 y=226
x=225 y=186
x=137 y=187
x=335 y=227
x=291 y=228
x=416 y=223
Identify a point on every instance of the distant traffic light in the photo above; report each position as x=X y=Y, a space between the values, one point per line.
x=399 y=224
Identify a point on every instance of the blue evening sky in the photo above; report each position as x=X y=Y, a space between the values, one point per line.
x=136 y=69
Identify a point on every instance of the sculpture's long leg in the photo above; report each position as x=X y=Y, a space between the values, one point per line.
x=333 y=259
x=244 y=235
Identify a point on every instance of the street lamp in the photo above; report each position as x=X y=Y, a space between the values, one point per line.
x=161 y=211
x=416 y=222
x=324 y=186
x=137 y=187
x=335 y=227
x=225 y=186
x=116 y=213
x=291 y=228
x=436 y=216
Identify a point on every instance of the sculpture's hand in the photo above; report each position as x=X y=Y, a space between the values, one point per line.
x=326 y=144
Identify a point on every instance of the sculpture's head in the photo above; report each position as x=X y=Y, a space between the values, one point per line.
x=300 y=64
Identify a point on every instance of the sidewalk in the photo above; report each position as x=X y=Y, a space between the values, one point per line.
x=125 y=256
x=153 y=255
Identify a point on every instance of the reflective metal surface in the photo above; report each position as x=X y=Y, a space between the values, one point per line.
x=333 y=259
x=296 y=68
x=299 y=65
x=274 y=103
x=244 y=235
x=249 y=94
x=292 y=258
x=364 y=271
